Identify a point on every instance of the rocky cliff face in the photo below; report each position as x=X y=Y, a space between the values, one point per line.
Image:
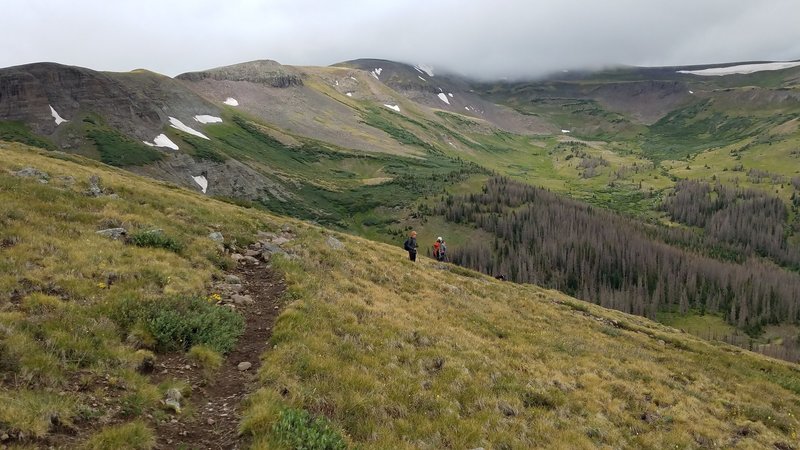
x=137 y=103
x=27 y=93
x=266 y=72
x=228 y=179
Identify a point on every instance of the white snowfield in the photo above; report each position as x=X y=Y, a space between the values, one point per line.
x=204 y=118
x=450 y=94
x=443 y=97
x=423 y=79
x=394 y=107
x=742 y=69
x=565 y=131
x=162 y=141
x=349 y=94
x=59 y=120
x=377 y=72
x=178 y=125
x=202 y=182
x=424 y=68
x=231 y=101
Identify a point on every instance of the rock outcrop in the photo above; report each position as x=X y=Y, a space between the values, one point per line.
x=266 y=72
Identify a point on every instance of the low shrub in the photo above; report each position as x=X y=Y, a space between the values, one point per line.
x=180 y=323
x=297 y=429
x=155 y=239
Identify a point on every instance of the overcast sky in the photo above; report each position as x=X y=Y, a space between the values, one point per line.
x=482 y=38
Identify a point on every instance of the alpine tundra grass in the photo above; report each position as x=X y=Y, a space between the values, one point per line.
x=371 y=351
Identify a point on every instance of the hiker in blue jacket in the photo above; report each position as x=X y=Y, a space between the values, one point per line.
x=411 y=246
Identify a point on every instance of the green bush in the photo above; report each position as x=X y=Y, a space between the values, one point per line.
x=156 y=239
x=298 y=430
x=180 y=323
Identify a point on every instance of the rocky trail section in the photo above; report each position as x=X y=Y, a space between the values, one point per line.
x=213 y=408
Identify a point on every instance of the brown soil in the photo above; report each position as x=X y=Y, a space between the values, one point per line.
x=213 y=410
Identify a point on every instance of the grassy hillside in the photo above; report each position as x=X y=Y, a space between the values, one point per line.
x=372 y=350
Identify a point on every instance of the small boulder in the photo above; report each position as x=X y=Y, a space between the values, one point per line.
x=244 y=365
x=249 y=260
x=173 y=400
x=252 y=253
x=232 y=279
x=265 y=236
x=174 y=394
x=95 y=190
x=280 y=240
x=237 y=257
x=230 y=288
x=271 y=248
x=216 y=236
x=113 y=233
x=32 y=172
x=242 y=299
x=335 y=243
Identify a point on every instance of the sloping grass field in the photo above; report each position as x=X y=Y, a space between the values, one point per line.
x=371 y=351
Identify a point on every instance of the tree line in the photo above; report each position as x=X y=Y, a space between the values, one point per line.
x=621 y=263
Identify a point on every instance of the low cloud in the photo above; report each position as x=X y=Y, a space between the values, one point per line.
x=484 y=39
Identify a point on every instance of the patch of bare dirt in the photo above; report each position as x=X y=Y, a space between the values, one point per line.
x=214 y=408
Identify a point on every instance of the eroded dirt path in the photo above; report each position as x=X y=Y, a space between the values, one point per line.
x=214 y=410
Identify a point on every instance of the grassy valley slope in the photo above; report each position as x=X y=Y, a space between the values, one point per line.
x=386 y=353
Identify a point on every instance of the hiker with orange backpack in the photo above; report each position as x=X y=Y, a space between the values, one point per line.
x=440 y=249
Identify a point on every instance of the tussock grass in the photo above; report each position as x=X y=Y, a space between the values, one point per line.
x=130 y=436
x=403 y=355
x=206 y=357
x=33 y=414
x=383 y=352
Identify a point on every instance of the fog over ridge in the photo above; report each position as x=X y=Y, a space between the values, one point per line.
x=482 y=39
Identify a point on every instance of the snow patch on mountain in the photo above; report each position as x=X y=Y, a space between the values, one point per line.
x=59 y=120
x=443 y=97
x=424 y=68
x=204 y=118
x=162 y=141
x=566 y=131
x=178 y=125
x=231 y=101
x=377 y=72
x=394 y=107
x=202 y=182
x=423 y=79
x=349 y=94
x=742 y=69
